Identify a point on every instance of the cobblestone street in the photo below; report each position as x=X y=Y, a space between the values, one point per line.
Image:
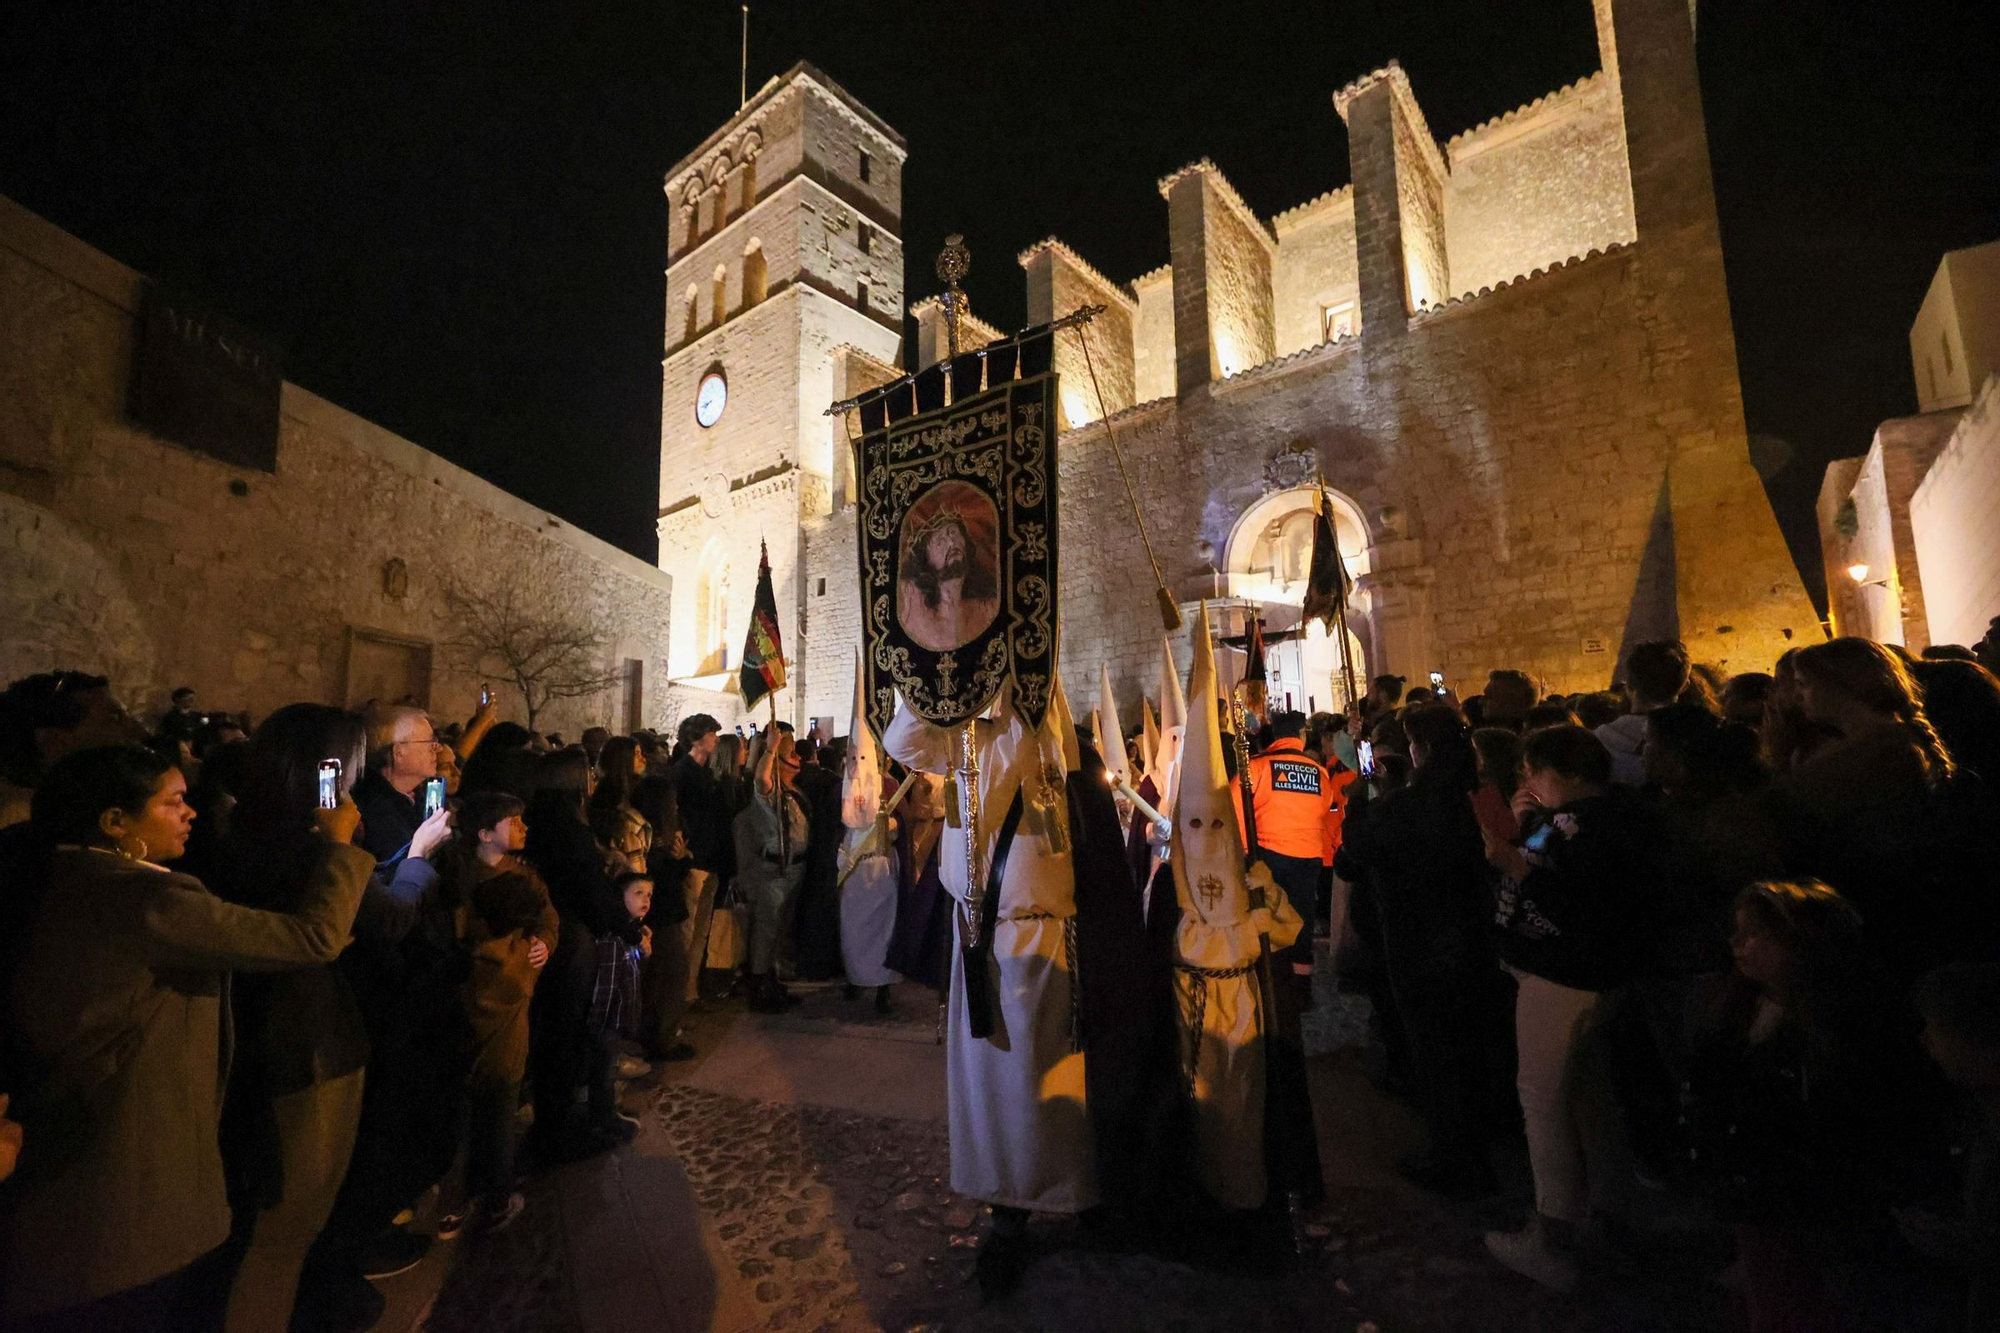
x=795 y=1177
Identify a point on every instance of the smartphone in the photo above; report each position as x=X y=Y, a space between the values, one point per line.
x=1437 y=682
x=1365 y=753
x=485 y=695
x=433 y=797
x=329 y=783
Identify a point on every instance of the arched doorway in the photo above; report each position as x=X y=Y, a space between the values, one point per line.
x=1265 y=570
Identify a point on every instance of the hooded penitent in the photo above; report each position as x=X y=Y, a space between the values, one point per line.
x=867 y=857
x=1173 y=717
x=1217 y=948
x=861 y=780
x=1149 y=736
x=1017 y=1106
x=1110 y=740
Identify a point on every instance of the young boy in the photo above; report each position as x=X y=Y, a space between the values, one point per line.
x=508 y=924
x=623 y=944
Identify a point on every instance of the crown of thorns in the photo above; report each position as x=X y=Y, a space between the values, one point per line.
x=938 y=522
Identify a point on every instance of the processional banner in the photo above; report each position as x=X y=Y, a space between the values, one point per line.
x=957 y=514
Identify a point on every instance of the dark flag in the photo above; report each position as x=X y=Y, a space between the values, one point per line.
x=958 y=540
x=763 y=654
x=1326 y=586
x=1255 y=688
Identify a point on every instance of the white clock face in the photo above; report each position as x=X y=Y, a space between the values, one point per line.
x=711 y=398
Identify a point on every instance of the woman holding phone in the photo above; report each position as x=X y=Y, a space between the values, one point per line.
x=115 y=1014
x=295 y=1089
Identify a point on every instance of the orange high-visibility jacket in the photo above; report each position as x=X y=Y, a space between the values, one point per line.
x=1296 y=810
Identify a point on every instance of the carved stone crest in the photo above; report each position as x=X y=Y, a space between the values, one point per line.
x=1294 y=465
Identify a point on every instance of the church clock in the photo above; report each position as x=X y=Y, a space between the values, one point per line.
x=710 y=398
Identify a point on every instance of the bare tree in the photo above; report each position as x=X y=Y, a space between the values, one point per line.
x=546 y=654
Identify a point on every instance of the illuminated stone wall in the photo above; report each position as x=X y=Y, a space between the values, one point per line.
x=1059 y=282
x=1316 y=270
x=1540 y=185
x=1955 y=526
x=1551 y=464
x=160 y=566
x=1153 y=336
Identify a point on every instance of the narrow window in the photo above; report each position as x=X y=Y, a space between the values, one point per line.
x=822 y=587
x=864 y=238
x=865 y=165
x=861 y=293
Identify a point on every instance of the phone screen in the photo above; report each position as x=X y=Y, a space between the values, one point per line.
x=433 y=796
x=485 y=696
x=1539 y=839
x=1365 y=752
x=329 y=783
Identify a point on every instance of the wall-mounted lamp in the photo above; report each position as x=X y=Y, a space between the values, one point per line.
x=1859 y=573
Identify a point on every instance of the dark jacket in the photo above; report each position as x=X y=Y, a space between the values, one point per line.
x=389 y=819
x=1595 y=878
x=1823 y=1134
x=705 y=819
x=118 y=1015
x=1421 y=850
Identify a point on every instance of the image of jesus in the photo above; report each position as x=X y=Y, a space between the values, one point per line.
x=948 y=591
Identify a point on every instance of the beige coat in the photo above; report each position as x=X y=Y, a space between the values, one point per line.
x=118 y=1013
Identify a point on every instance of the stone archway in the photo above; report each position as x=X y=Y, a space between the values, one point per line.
x=1264 y=571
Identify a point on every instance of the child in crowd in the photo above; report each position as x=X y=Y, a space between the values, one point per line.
x=1960 y=1005
x=507 y=923
x=1806 y=1105
x=623 y=943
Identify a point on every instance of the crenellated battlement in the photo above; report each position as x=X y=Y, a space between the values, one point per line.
x=1520 y=194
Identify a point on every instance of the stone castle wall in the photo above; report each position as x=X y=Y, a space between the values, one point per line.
x=1549 y=471
x=1316 y=269
x=1951 y=521
x=134 y=557
x=1538 y=186
x=1153 y=336
x=1550 y=466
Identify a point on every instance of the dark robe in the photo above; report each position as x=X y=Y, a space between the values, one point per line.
x=818 y=923
x=1130 y=1037
x=1139 y=852
x=919 y=947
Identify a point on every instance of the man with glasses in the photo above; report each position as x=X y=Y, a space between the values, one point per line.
x=402 y=757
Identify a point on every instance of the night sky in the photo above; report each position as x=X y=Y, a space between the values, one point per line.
x=450 y=215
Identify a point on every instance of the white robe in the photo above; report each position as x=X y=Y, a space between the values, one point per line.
x=1020 y=1135
x=867 y=909
x=1222 y=1025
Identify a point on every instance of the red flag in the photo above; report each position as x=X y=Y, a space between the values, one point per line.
x=763 y=653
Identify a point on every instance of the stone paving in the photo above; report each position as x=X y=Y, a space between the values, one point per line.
x=767 y=1193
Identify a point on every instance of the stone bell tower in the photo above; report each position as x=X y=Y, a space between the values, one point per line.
x=783 y=252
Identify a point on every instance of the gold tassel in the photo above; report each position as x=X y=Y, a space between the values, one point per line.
x=1170 y=612
x=952 y=817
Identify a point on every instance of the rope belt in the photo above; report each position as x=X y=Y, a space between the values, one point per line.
x=1069 y=960
x=1202 y=976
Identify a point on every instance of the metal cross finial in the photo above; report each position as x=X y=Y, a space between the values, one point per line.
x=953 y=263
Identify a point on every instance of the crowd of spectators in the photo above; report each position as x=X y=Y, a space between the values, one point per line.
x=263 y=991
x=1730 y=940
x=267 y=994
